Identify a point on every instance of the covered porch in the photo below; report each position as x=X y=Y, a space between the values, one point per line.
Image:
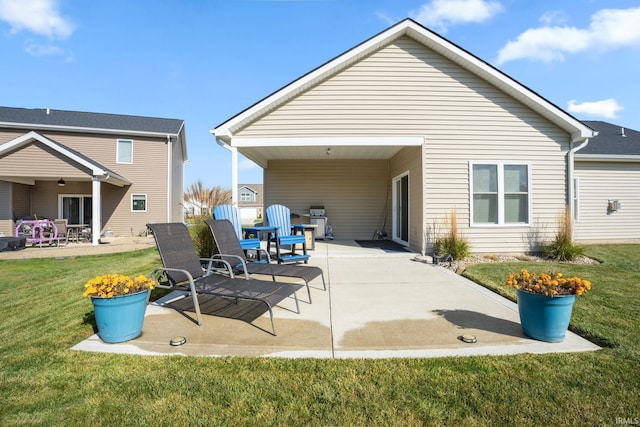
x=371 y=188
x=42 y=178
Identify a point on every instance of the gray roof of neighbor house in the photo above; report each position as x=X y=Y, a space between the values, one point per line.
x=45 y=118
x=612 y=140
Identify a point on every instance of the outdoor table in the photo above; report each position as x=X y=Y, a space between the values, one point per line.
x=75 y=231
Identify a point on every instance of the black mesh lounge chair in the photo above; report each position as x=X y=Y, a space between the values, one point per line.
x=183 y=271
x=230 y=250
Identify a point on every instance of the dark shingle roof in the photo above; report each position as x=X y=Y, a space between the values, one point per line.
x=610 y=140
x=43 y=117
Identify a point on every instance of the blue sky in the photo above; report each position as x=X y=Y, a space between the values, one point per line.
x=205 y=61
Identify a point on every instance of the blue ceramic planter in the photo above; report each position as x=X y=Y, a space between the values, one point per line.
x=544 y=318
x=120 y=318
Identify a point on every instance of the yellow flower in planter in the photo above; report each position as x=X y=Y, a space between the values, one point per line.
x=113 y=285
x=549 y=284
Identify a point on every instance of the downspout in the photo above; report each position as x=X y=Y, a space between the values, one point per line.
x=570 y=171
x=169 y=176
x=234 y=170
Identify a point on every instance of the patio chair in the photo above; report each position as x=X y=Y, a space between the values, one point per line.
x=63 y=231
x=230 y=212
x=183 y=270
x=230 y=250
x=285 y=234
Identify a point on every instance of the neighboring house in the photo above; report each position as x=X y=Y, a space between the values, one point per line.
x=250 y=203
x=402 y=130
x=607 y=182
x=113 y=173
x=194 y=208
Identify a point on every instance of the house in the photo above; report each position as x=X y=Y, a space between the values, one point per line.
x=407 y=129
x=250 y=203
x=113 y=173
x=607 y=183
x=194 y=208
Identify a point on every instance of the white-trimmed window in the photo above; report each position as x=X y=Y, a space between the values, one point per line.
x=138 y=203
x=246 y=196
x=500 y=193
x=124 y=151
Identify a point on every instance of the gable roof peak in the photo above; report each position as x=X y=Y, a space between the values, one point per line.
x=429 y=39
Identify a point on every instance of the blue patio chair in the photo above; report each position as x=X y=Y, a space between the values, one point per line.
x=285 y=234
x=230 y=213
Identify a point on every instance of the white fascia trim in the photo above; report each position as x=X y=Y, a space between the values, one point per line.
x=82 y=129
x=606 y=158
x=364 y=141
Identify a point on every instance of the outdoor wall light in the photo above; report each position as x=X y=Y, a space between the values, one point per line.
x=613 y=205
x=61 y=182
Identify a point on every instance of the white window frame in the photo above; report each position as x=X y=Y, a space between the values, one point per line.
x=118 y=141
x=249 y=196
x=500 y=170
x=146 y=202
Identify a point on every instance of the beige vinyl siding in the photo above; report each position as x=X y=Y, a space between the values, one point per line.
x=36 y=160
x=598 y=183
x=21 y=200
x=409 y=160
x=447 y=190
x=353 y=192
x=406 y=89
x=403 y=89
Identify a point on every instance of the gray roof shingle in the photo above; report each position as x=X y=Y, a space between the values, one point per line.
x=44 y=117
x=610 y=140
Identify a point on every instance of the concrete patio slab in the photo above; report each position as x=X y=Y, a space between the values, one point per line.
x=378 y=305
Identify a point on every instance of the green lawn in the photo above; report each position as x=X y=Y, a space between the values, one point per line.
x=42 y=382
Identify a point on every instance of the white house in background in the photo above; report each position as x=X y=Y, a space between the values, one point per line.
x=194 y=208
x=405 y=128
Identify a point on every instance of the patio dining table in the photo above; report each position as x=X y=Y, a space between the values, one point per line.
x=78 y=232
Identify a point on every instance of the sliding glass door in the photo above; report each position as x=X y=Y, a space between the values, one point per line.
x=76 y=209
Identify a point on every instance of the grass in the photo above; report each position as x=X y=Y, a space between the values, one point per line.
x=42 y=382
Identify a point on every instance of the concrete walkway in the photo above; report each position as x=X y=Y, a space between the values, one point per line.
x=378 y=304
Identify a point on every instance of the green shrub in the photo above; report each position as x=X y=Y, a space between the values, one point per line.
x=452 y=243
x=562 y=247
x=202 y=237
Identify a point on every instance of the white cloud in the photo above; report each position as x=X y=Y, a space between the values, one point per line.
x=554 y=17
x=37 y=16
x=609 y=29
x=606 y=108
x=37 y=49
x=440 y=14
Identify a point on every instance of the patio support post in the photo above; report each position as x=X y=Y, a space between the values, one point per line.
x=234 y=170
x=234 y=176
x=95 y=212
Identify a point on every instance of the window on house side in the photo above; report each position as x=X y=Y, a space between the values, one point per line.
x=246 y=197
x=125 y=151
x=500 y=193
x=138 y=202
